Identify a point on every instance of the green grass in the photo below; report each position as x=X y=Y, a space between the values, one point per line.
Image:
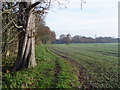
x=43 y=75
x=100 y=62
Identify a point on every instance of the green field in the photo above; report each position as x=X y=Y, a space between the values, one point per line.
x=98 y=63
x=51 y=72
x=67 y=66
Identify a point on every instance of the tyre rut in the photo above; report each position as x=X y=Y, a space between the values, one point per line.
x=81 y=71
x=56 y=73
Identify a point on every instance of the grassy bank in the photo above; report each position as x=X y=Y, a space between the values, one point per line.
x=51 y=72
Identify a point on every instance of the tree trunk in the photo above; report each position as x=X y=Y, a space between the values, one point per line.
x=8 y=47
x=26 y=52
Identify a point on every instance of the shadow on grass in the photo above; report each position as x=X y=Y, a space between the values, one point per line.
x=7 y=63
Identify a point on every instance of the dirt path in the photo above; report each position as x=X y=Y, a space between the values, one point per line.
x=56 y=73
x=81 y=71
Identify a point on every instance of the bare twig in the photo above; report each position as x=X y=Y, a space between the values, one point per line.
x=82 y=3
x=60 y=4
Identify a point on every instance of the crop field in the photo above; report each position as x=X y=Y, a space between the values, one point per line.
x=67 y=66
x=97 y=63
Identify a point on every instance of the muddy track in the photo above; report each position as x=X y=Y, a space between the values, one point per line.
x=56 y=73
x=81 y=71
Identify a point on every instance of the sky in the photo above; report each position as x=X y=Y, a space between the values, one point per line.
x=98 y=17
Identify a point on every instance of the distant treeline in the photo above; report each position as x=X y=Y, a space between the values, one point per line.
x=82 y=39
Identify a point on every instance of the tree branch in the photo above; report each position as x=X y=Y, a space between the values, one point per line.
x=17 y=25
x=12 y=21
x=7 y=24
x=15 y=4
x=44 y=8
x=34 y=4
x=14 y=38
x=9 y=10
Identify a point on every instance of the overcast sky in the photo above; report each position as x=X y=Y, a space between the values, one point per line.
x=98 y=17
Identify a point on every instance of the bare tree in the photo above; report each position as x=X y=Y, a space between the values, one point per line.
x=26 y=19
x=68 y=39
x=25 y=24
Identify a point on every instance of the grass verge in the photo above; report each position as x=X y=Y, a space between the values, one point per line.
x=51 y=72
